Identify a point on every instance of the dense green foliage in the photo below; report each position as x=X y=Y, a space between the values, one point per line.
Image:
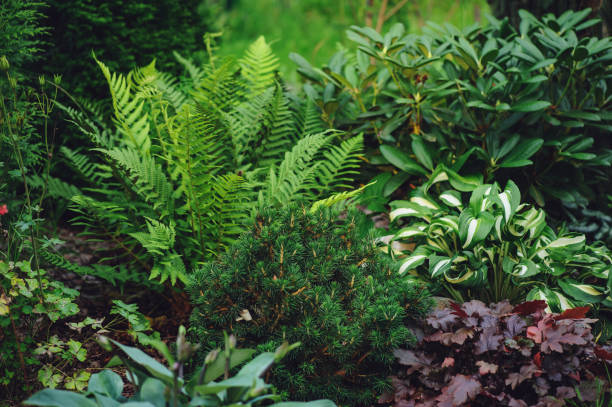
x=157 y=385
x=491 y=102
x=123 y=34
x=313 y=278
x=510 y=8
x=491 y=247
x=189 y=161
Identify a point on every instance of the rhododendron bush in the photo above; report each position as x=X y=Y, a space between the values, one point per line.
x=517 y=356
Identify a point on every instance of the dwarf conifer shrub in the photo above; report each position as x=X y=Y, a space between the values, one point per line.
x=311 y=277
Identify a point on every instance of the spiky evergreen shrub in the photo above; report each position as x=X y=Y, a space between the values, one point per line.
x=312 y=278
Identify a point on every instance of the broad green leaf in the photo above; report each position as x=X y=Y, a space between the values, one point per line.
x=474 y=230
x=217 y=368
x=519 y=157
x=401 y=160
x=582 y=291
x=151 y=365
x=420 y=150
x=59 y=398
x=107 y=383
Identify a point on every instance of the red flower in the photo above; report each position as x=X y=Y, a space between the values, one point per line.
x=3 y=210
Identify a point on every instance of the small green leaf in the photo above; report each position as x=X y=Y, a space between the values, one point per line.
x=530 y=106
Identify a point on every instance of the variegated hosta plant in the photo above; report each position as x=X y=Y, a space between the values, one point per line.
x=492 y=247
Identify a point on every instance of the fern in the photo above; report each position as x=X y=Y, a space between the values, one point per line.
x=339 y=164
x=147 y=176
x=259 y=66
x=189 y=159
x=130 y=115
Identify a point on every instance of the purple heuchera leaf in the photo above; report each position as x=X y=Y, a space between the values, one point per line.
x=529 y=358
x=461 y=389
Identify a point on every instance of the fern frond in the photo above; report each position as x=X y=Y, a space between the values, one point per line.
x=338 y=198
x=83 y=165
x=158 y=239
x=55 y=187
x=147 y=176
x=118 y=277
x=296 y=174
x=339 y=164
x=168 y=86
x=312 y=121
x=220 y=88
x=282 y=131
x=259 y=66
x=130 y=115
x=245 y=124
x=196 y=74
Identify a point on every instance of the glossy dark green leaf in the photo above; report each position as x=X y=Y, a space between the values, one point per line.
x=401 y=160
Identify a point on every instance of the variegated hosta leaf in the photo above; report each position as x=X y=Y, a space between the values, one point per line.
x=438 y=265
x=525 y=268
x=582 y=292
x=412 y=262
x=557 y=302
x=468 y=277
x=509 y=200
x=402 y=209
x=480 y=200
x=451 y=198
x=560 y=247
x=425 y=202
x=473 y=230
x=411 y=232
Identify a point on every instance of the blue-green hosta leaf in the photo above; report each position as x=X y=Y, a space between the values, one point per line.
x=438 y=265
x=59 y=398
x=107 y=383
x=147 y=363
x=451 y=198
x=525 y=268
x=582 y=291
x=473 y=230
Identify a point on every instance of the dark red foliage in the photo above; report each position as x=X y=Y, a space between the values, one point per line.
x=476 y=356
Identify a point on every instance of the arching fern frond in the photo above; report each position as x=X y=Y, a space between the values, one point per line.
x=339 y=164
x=148 y=178
x=259 y=66
x=295 y=176
x=131 y=117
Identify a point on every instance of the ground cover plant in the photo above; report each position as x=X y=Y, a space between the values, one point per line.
x=310 y=277
x=159 y=385
x=503 y=355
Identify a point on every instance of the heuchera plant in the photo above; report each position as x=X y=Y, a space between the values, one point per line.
x=474 y=355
